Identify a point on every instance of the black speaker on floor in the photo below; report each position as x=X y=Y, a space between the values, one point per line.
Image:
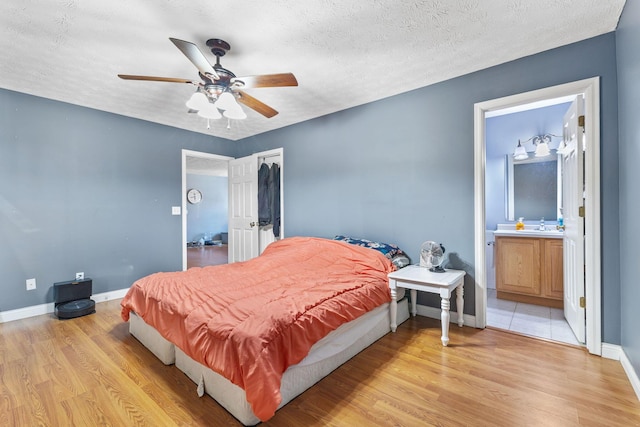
x=72 y=298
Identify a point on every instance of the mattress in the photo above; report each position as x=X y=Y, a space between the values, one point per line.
x=326 y=355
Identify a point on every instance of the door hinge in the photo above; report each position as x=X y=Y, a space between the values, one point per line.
x=581 y=121
x=583 y=302
x=581 y=211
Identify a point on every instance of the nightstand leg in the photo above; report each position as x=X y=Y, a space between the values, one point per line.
x=414 y=302
x=460 y=304
x=445 y=305
x=393 y=310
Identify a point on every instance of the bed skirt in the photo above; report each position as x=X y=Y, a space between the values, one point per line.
x=324 y=357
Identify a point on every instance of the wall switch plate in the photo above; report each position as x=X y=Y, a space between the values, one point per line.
x=31 y=284
x=175 y=210
x=80 y=275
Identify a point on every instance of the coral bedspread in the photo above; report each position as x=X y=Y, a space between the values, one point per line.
x=249 y=321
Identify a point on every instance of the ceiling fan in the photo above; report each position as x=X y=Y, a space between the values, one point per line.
x=219 y=89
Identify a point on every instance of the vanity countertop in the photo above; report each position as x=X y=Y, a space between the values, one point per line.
x=530 y=230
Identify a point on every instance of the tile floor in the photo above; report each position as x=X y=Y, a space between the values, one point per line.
x=534 y=320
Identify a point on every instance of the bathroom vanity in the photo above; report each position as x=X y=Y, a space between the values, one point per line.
x=529 y=266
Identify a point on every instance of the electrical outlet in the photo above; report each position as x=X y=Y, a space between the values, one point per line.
x=175 y=210
x=80 y=275
x=31 y=284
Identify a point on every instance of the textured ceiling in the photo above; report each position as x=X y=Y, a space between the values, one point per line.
x=343 y=53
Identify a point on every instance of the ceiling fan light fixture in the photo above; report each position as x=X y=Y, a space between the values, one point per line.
x=219 y=86
x=235 y=113
x=209 y=111
x=226 y=101
x=197 y=101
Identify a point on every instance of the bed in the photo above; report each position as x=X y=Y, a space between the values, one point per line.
x=253 y=335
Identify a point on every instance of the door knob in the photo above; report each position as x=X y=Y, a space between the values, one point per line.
x=252 y=224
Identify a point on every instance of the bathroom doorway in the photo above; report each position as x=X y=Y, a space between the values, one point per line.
x=537 y=99
x=531 y=189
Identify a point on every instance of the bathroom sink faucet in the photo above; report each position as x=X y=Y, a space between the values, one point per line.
x=541 y=224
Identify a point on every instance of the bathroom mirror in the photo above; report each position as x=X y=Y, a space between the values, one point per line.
x=533 y=188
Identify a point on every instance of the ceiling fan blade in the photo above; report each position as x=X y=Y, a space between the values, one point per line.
x=267 y=80
x=194 y=55
x=256 y=105
x=156 y=79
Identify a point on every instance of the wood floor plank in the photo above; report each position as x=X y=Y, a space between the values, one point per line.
x=91 y=371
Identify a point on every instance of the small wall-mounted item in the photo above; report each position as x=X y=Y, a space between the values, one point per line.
x=194 y=196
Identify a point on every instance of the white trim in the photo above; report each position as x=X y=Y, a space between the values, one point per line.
x=434 y=313
x=479 y=163
x=23 y=313
x=593 y=287
x=631 y=373
x=38 y=310
x=611 y=351
x=525 y=107
x=183 y=203
x=111 y=295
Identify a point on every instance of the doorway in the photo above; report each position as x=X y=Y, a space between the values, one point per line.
x=590 y=90
x=204 y=209
x=528 y=187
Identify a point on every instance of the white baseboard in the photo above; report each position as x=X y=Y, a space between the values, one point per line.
x=631 y=373
x=616 y=352
x=611 y=351
x=434 y=313
x=38 y=310
x=111 y=295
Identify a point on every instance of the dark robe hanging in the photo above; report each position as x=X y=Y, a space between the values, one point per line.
x=274 y=197
x=269 y=196
x=264 y=210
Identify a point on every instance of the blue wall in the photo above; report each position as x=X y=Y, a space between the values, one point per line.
x=401 y=169
x=89 y=191
x=210 y=216
x=627 y=37
x=84 y=190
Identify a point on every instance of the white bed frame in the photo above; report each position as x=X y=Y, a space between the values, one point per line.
x=324 y=357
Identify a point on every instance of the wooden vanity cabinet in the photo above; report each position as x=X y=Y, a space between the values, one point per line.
x=529 y=269
x=553 y=269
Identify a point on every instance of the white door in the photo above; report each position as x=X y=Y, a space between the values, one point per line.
x=243 y=209
x=572 y=202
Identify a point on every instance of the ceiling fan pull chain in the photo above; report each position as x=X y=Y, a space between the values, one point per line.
x=208 y=124
x=228 y=123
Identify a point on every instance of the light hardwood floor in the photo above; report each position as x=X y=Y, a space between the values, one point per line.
x=202 y=256
x=89 y=371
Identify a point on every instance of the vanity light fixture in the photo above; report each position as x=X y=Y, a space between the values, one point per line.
x=520 y=153
x=541 y=143
x=566 y=146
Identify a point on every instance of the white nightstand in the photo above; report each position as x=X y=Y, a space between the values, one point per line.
x=416 y=278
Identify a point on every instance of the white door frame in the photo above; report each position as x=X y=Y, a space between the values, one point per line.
x=590 y=88
x=185 y=154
